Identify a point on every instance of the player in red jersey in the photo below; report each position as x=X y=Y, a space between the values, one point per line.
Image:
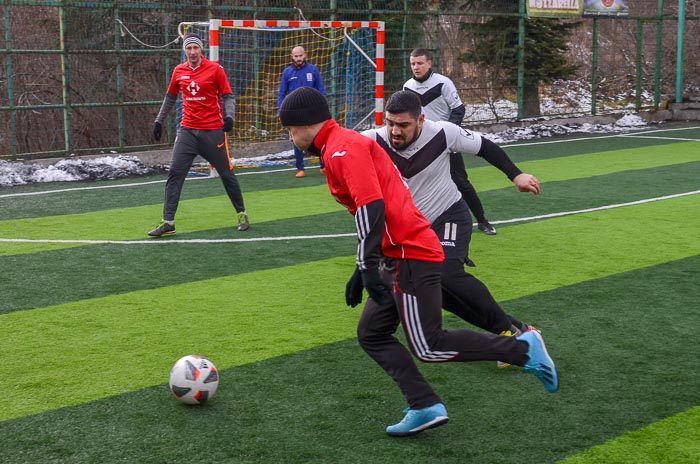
x=202 y=131
x=399 y=261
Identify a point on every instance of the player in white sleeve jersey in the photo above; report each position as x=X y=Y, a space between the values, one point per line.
x=421 y=149
x=441 y=102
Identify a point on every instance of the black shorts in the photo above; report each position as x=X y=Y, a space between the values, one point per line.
x=454 y=229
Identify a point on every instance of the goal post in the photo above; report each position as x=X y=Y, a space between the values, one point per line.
x=254 y=53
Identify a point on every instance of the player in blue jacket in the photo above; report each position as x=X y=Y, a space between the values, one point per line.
x=300 y=73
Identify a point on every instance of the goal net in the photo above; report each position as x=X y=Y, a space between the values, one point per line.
x=349 y=54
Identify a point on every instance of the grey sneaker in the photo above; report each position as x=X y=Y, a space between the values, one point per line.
x=163 y=229
x=243 y=223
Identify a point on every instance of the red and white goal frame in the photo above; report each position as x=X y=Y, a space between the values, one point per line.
x=216 y=24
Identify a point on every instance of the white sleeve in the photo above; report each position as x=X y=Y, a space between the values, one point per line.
x=461 y=140
x=371 y=133
x=450 y=94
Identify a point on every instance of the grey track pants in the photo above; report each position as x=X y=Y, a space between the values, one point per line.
x=213 y=147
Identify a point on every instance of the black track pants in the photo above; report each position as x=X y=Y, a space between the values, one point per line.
x=417 y=306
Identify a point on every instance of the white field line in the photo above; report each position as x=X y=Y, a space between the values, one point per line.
x=526 y=144
x=629 y=135
x=679 y=139
x=139 y=184
x=160 y=241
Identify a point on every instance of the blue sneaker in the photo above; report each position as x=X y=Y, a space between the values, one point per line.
x=540 y=364
x=417 y=420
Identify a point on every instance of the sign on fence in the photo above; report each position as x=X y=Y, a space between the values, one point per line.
x=555 y=8
x=605 y=8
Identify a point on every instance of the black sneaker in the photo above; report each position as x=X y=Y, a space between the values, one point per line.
x=487 y=228
x=163 y=229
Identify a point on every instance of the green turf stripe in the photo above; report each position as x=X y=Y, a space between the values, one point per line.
x=203 y=214
x=549 y=254
x=558 y=146
x=590 y=164
x=131 y=267
x=111 y=330
x=487 y=177
x=591 y=192
x=675 y=440
x=264 y=312
x=193 y=215
x=137 y=192
x=102 y=270
x=331 y=403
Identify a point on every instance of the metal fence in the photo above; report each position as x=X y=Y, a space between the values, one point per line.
x=87 y=77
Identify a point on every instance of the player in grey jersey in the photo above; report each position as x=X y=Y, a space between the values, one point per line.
x=421 y=149
x=441 y=102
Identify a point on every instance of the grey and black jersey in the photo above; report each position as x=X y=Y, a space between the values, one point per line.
x=425 y=164
x=438 y=96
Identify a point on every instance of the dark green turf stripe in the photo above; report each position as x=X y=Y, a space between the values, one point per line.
x=100 y=270
x=591 y=192
x=137 y=267
x=83 y=201
x=618 y=342
x=263 y=309
x=486 y=177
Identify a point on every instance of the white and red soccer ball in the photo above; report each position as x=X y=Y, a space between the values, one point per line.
x=194 y=379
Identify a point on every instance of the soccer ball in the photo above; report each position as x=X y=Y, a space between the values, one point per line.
x=194 y=379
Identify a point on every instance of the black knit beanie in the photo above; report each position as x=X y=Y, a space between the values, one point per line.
x=303 y=107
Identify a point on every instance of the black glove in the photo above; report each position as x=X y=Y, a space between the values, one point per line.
x=228 y=124
x=353 y=289
x=375 y=286
x=157 y=131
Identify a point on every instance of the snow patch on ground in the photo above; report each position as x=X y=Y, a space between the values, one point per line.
x=117 y=167
x=71 y=170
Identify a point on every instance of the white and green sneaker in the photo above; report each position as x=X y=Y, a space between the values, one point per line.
x=243 y=222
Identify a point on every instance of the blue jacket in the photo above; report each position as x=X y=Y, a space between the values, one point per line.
x=293 y=78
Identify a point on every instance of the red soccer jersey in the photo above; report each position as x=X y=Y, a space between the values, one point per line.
x=201 y=89
x=358 y=172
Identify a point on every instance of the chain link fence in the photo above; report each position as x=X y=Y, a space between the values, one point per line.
x=88 y=77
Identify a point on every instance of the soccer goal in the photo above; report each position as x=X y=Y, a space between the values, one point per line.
x=349 y=54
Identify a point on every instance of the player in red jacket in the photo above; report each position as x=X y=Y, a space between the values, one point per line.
x=399 y=262
x=205 y=89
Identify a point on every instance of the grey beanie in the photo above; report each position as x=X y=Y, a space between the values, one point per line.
x=303 y=107
x=192 y=38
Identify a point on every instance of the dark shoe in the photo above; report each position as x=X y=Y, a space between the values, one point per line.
x=163 y=229
x=487 y=228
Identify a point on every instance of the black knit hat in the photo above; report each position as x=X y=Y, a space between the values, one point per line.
x=303 y=107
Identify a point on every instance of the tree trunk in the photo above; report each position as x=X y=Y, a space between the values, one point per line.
x=531 y=101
